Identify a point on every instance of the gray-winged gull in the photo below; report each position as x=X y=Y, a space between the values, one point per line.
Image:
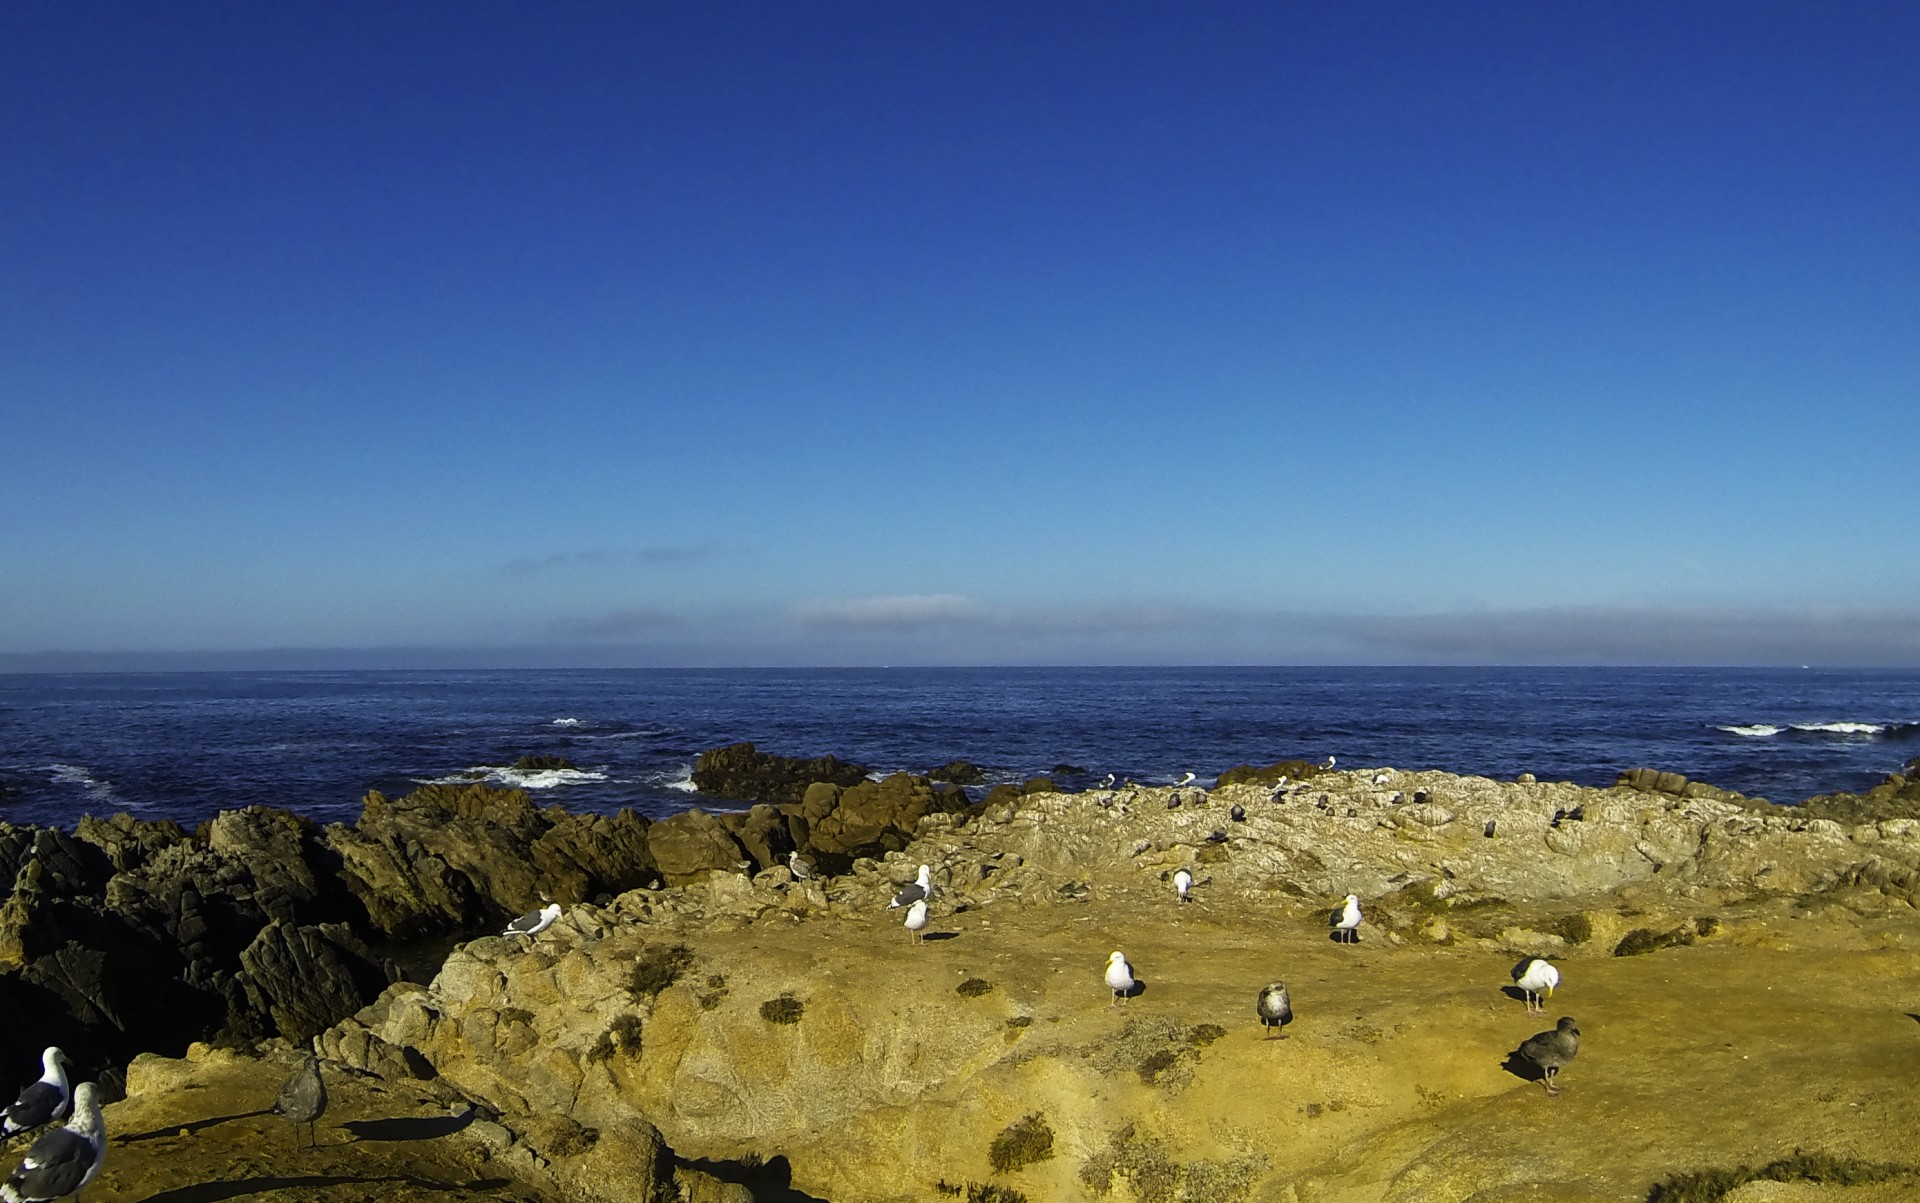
x=1551 y=1051
x=1346 y=919
x=920 y=890
x=1274 y=1008
x=1119 y=977
x=62 y=1160
x=43 y=1101
x=303 y=1099
x=801 y=867
x=1537 y=978
x=533 y=922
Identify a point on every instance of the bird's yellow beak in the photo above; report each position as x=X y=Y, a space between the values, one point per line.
x=1549 y=991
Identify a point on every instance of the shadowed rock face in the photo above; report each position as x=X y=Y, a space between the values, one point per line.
x=741 y=772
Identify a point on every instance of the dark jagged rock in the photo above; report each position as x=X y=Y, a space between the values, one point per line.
x=299 y=981
x=874 y=817
x=764 y=833
x=542 y=764
x=1897 y=796
x=739 y=771
x=958 y=772
x=1009 y=794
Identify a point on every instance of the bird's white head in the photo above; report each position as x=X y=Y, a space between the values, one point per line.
x=1116 y=958
x=926 y=877
x=1353 y=900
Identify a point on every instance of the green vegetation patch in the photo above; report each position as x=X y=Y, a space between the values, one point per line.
x=713 y=993
x=1151 y=1175
x=785 y=1009
x=973 y=987
x=622 y=1038
x=657 y=967
x=1021 y=1143
x=1644 y=940
x=1710 y=1186
x=1576 y=928
x=980 y=1192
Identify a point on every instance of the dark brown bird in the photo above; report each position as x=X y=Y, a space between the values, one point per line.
x=1274 y=1008
x=303 y=1099
x=1552 y=1051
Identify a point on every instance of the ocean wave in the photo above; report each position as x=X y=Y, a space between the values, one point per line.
x=566 y=722
x=516 y=778
x=77 y=774
x=1753 y=731
x=682 y=779
x=644 y=733
x=1839 y=728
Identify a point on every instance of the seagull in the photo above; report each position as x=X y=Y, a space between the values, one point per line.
x=1488 y=829
x=533 y=922
x=1274 y=1008
x=1119 y=977
x=62 y=1160
x=304 y=1098
x=1182 y=882
x=799 y=866
x=1346 y=919
x=44 y=1101
x=1382 y=778
x=1237 y=813
x=1184 y=782
x=1106 y=782
x=1536 y=977
x=1329 y=763
x=919 y=891
x=1551 y=1051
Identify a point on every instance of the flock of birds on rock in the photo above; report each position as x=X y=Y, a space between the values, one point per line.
x=63 y=1160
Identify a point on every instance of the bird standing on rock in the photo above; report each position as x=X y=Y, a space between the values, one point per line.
x=1274 y=1008
x=920 y=891
x=1184 y=782
x=1346 y=920
x=801 y=867
x=1182 y=883
x=62 y=1160
x=1536 y=977
x=43 y=1101
x=303 y=1100
x=1119 y=977
x=1551 y=1051
x=533 y=922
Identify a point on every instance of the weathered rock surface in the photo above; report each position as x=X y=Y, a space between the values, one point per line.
x=762 y=1016
x=739 y=771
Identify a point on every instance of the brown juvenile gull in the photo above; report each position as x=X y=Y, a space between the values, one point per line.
x=304 y=1098
x=1551 y=1051
x=43 y=1101
x=1274 y=1008
x=62 y=1160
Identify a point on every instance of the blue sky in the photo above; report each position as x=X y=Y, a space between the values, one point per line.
x=881 y=333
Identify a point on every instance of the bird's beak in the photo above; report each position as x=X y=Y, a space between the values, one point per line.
x=1549 y=991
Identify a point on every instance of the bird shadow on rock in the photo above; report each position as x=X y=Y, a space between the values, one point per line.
x=941 y=935
x=215 y=1192
x=771 y=1181
x=1514 y=992
x=1522 y=1068
x=1343 y=937
x=412 y=1127
x=1912 y=1016
x=188 y=1129
x=1138 y=988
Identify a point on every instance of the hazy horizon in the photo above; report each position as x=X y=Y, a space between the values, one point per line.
x=999 y=335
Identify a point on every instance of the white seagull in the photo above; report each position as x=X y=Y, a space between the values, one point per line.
x=1119 y=977
x=62 y=1160
x=1329 y=763
x=916 y=919
x=1382 y=778
x=1537 y=978
x=1107 y=781
x=44 y=1101
x=1182 y=882
x=799 y=866
x=919 y=891
x=1184 y=782
x=533 y=922
x=1347 y=919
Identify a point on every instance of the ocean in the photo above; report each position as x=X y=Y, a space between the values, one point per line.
x=187 y=745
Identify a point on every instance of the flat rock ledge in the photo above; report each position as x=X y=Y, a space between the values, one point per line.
x=759 y=1020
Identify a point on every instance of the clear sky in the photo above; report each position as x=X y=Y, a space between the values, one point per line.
x=960 y=333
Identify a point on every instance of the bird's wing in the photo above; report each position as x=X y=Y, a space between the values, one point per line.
x=56 y=1165
x=37 y=1104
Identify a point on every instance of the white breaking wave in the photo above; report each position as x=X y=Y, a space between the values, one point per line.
x=1755 y=731
x=516 y=778
x=1842 y=728
x=77 y=774
x=566 y=722
x=683 y=781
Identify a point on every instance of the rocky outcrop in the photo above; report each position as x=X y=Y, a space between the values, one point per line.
x=739 y=771
x=873 y=818
x=693 y=843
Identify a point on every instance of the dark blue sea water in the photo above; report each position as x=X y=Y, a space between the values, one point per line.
x=187 y=745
